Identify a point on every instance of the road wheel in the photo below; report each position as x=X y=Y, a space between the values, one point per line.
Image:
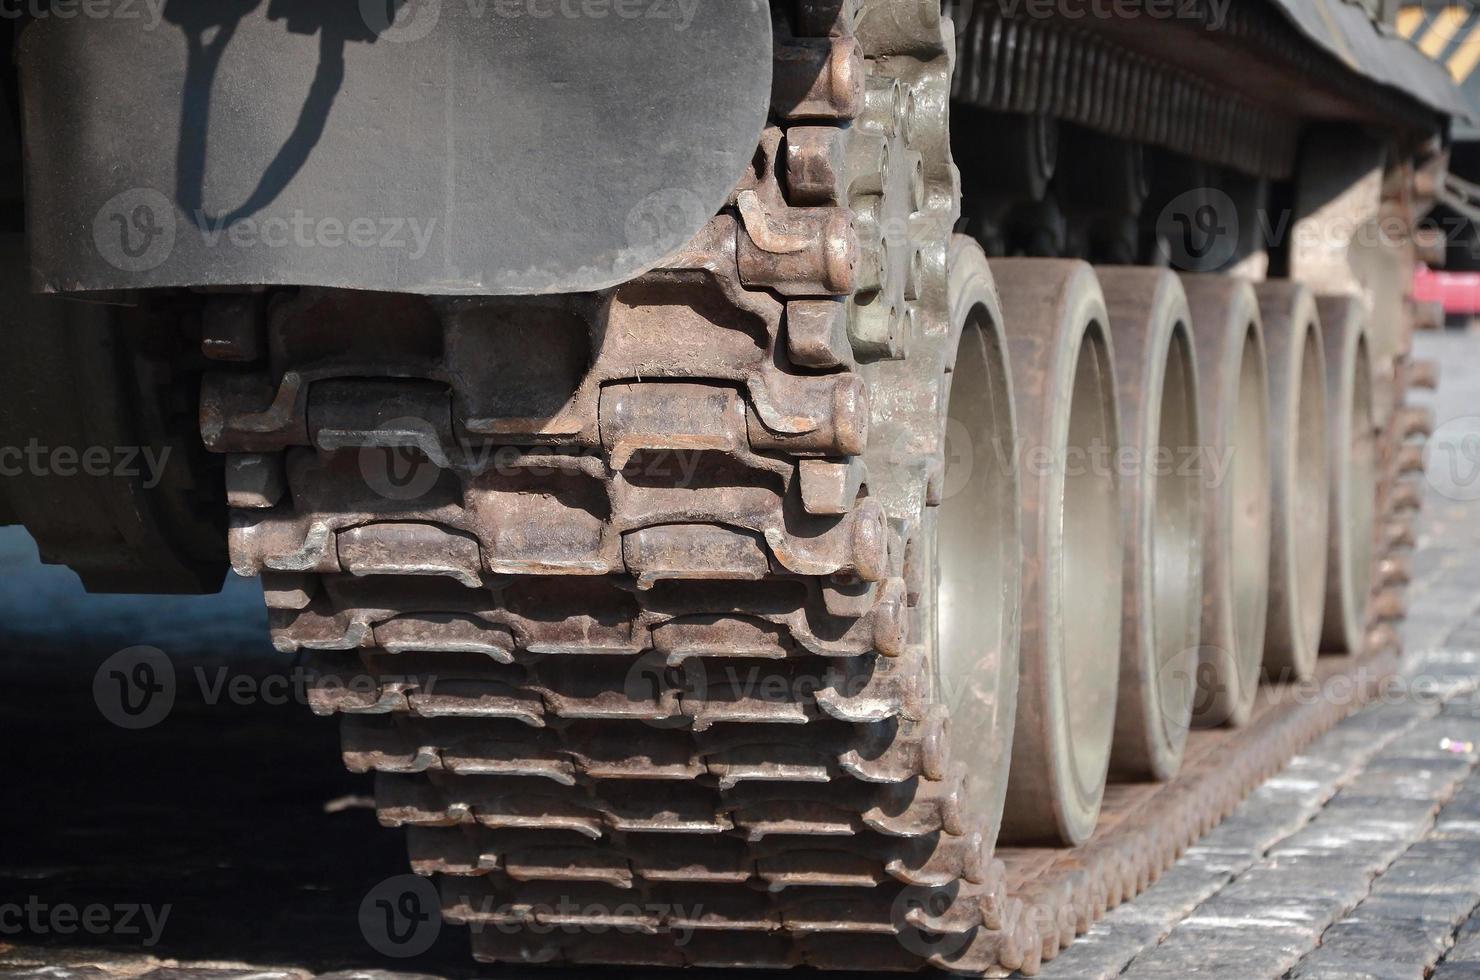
x=972 y=531
x=1162 y=513
x=1234 y=399
x=1064 y=384
x=1353 y=461
x=1301 y=487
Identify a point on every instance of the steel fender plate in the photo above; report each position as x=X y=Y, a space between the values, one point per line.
x=1346 y=30
x=498 y=147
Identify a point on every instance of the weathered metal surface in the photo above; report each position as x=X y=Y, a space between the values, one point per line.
x=1353 y=462
x=561 y=537
x=1301 y=477
x=972 y=566
x=1063 y=365
x=1236 y=507
x=1227 y=85
x=1161 y=500
x=99 y=457
x=1349 y=34
x=428 y=148
x=1071 y=71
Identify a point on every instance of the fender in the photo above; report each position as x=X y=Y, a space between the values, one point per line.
x=494 y=147
x=97 y=458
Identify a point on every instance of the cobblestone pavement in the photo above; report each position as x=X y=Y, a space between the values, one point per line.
x=1360 y=860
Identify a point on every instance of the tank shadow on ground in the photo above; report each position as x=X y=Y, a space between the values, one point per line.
x=237 y=815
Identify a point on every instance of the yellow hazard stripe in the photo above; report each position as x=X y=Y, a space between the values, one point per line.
x=1443 y=30
x=1409 y=18
x=1462 y=63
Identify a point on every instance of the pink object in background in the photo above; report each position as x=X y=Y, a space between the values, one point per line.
x=1457 y=292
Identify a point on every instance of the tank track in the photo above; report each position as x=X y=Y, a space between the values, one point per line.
x=537 y=549
x=617 y=594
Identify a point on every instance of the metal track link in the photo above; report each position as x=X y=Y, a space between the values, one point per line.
x=534 y=549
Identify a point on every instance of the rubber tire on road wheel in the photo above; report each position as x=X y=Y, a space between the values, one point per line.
x=1156 y=370
x=1353 y=441
x=1063 y=367
x=1234 y=400
x=1301 y=479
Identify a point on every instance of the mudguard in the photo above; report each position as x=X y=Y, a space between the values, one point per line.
x=1347 y=31
x=498 y=147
